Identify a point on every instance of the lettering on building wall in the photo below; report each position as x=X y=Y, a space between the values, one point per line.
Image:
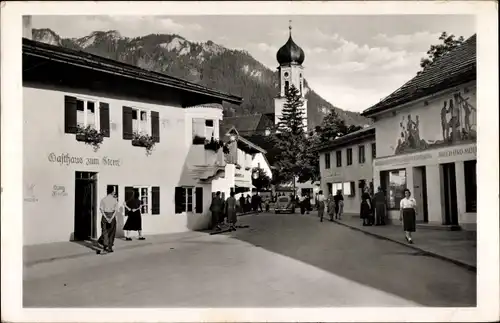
x=29 y=193
x=238 y=175
x=458 y=152
x=455 y=123
x=66 y=159
x=428 y=155
x=59 y=190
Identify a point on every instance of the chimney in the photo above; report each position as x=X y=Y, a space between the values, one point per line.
x=27 y=33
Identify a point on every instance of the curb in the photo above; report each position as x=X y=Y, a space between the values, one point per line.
x=430 y=253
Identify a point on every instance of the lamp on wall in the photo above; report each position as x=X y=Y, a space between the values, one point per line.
x=255 y=175
x=232 y=137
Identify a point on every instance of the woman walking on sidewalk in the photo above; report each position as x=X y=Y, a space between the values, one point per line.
x=339 y=205
x=321 y=205
x=134 y=217
x=366 y=207
x=230 y=210
x=407 y=214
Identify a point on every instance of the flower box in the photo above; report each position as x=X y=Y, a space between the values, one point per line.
x=197 y=140
x=90 y=136
x=143 y=140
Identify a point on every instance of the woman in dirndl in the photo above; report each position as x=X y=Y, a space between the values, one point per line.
x=366 y=208
x=407 y=214
x=134 y=217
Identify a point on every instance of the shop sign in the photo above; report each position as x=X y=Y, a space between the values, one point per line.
x=66 y=160
x=58 y=190
x=451 y=152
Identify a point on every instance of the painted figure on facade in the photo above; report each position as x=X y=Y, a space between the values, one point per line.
x=458 y=123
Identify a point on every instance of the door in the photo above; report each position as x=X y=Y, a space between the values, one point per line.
x=420 y=193
x=85 y=206
x=450 y=194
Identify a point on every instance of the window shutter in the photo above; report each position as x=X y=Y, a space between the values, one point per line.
x=69 y=114
x=353 y=188
x=180 y=200
x=104 y=118
x=199 y=127
x=155 y=126
x=155 y=200
x=199 y=199
x=127 y=123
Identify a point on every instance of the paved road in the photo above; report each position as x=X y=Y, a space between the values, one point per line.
x=280 y=261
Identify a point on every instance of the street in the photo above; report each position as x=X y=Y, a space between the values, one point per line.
x=279 y=261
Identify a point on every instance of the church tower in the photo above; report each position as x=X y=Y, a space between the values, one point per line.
x=290 y=58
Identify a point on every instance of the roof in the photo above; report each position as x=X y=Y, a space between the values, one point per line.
x=247 y=144
x=356 y=136
x=455 y=68
x=247 y=124
x=95 y=62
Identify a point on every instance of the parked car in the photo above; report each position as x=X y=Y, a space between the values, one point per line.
x=284 y=204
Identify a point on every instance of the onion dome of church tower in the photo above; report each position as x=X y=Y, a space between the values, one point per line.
x=290 y=53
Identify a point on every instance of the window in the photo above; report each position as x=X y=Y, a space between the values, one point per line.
x=209 y=129
x=347 y=189
x=327 y=160
x=393 y=182
x=148 y=195
x=86 y=114
x=337 y=187
x=470 y=186
x=287 y=85
x=374 y=151
x=141 y=122
x=349 y=156
x=188 y=199
x=339 y=158
x=361 y=154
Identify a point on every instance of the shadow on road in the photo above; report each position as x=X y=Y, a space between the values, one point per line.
x=380 y=264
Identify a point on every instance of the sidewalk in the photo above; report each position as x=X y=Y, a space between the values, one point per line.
x=48 y=252
x=458 y=247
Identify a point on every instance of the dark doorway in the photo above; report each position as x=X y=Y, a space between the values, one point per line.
x=85 y=206
x=450 y=194
x=424 y=194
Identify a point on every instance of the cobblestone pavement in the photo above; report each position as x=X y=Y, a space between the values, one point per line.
x=280 y=261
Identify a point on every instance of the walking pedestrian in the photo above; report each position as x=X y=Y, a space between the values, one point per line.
x=321 y=205
x=134 y=217
x=339 y=204
x=108 y=208
x=231 y=211
x=216 y=207
x=331 y=207
x=266 y=203
x=366 y=207
x=380 y=207
x=408 y=214
x=302 y=204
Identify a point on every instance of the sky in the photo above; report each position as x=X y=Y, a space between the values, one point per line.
x=351 y=61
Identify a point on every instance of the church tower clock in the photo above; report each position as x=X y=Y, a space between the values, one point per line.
x=290 y=58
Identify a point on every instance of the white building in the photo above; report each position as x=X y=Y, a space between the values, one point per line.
x=426 y=141
x=237 y=176
x=65 y=177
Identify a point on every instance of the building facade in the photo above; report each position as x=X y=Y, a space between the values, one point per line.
x=426 y=141
x=346 y=165
x=237 y=176
x=68 y=97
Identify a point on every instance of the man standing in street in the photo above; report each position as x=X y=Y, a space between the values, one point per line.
x=108 y=208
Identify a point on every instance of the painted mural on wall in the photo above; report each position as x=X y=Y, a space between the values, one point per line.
x=457 y=123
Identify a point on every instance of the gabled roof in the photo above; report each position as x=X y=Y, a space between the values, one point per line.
x=95 y=62
x=246 y=125
x=353 y=137
x=455 y=68
x=247 y=144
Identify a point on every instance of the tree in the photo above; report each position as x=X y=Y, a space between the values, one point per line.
x=290 y=140
x=449 y=43
x=260 y=179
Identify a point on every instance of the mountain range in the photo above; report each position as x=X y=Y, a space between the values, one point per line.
x=207 y=64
